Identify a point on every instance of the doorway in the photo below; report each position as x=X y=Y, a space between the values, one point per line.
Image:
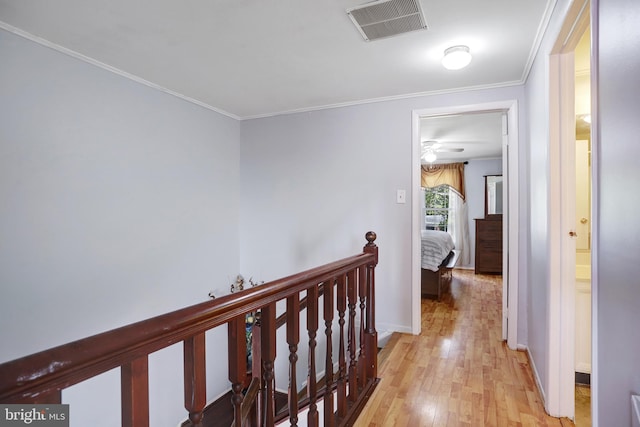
x=570 y=299
x=510 y=172
x=582 y=239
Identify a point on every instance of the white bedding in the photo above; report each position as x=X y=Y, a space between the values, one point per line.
x=436 y=245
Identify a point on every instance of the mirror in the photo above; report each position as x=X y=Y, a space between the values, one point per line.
x=492 y=195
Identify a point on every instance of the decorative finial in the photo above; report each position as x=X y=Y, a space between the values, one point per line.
x=371 y=237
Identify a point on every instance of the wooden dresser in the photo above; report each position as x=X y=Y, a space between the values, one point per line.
x=489 y=245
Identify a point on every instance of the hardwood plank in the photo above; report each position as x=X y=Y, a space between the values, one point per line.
x=458 y=371
x=583 y=406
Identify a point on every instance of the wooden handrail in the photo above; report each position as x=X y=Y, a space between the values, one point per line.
x=40 y=377
x=282 y=319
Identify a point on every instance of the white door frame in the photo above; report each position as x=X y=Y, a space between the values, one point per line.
x=560 y=396
x=511 y=244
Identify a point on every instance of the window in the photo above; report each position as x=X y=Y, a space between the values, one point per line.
x=437 y=208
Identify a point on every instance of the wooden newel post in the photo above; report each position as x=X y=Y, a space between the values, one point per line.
x=371 y=335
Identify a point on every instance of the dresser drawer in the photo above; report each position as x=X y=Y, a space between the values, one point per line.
x=489 y=227
x=488 y=263
x=489 y=245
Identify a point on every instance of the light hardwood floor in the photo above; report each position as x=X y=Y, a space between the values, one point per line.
x=458 y=371
x=583 y=406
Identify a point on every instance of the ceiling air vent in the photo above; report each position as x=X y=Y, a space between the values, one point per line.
x=387 y=18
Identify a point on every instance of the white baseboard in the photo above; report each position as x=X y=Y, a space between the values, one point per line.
x=390 y=328
x=635 y=418
x=584 y=368
x=536 y=377
x=383 y=338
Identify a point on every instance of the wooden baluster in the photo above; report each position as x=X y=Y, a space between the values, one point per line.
x=268 y=320
x=362 y=292
x=329 y=418
x=371 y=335
x=312 y=328
x=351 y=345
x=342 y=362
x=134 y=384
x=237 y=341
x=195 y=377
x=293 y=338
x=256 y=368
x=256 y=348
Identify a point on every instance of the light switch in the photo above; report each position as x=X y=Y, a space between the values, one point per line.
x=401 y=196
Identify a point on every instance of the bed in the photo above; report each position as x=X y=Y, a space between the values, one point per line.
x=438 y=257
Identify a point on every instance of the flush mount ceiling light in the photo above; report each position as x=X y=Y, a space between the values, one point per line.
x=429 y=156
x=456 y=57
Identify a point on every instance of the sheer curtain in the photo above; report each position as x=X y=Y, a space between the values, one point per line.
x=458 y=226
x=452 y=174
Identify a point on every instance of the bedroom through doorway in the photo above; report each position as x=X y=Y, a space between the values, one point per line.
x=461 y=136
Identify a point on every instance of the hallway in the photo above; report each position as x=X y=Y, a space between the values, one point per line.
x=458 y=371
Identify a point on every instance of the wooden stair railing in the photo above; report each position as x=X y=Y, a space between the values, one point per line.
x=41 y=377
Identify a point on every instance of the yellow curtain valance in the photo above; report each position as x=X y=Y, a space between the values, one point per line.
x=451 y=174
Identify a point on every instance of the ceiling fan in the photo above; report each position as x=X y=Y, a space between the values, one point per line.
x=430 y=148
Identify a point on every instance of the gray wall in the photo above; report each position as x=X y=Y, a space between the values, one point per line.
x=117 y=202
x=537 y=253
x=618 y=232
x=538 y=295
x=313 y=183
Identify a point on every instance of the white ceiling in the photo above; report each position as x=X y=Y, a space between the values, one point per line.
x=253 y=58
x=479 y=134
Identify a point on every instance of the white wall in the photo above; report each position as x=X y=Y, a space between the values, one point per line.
x=117 y=203
x=313 y=183
x=474 y=174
